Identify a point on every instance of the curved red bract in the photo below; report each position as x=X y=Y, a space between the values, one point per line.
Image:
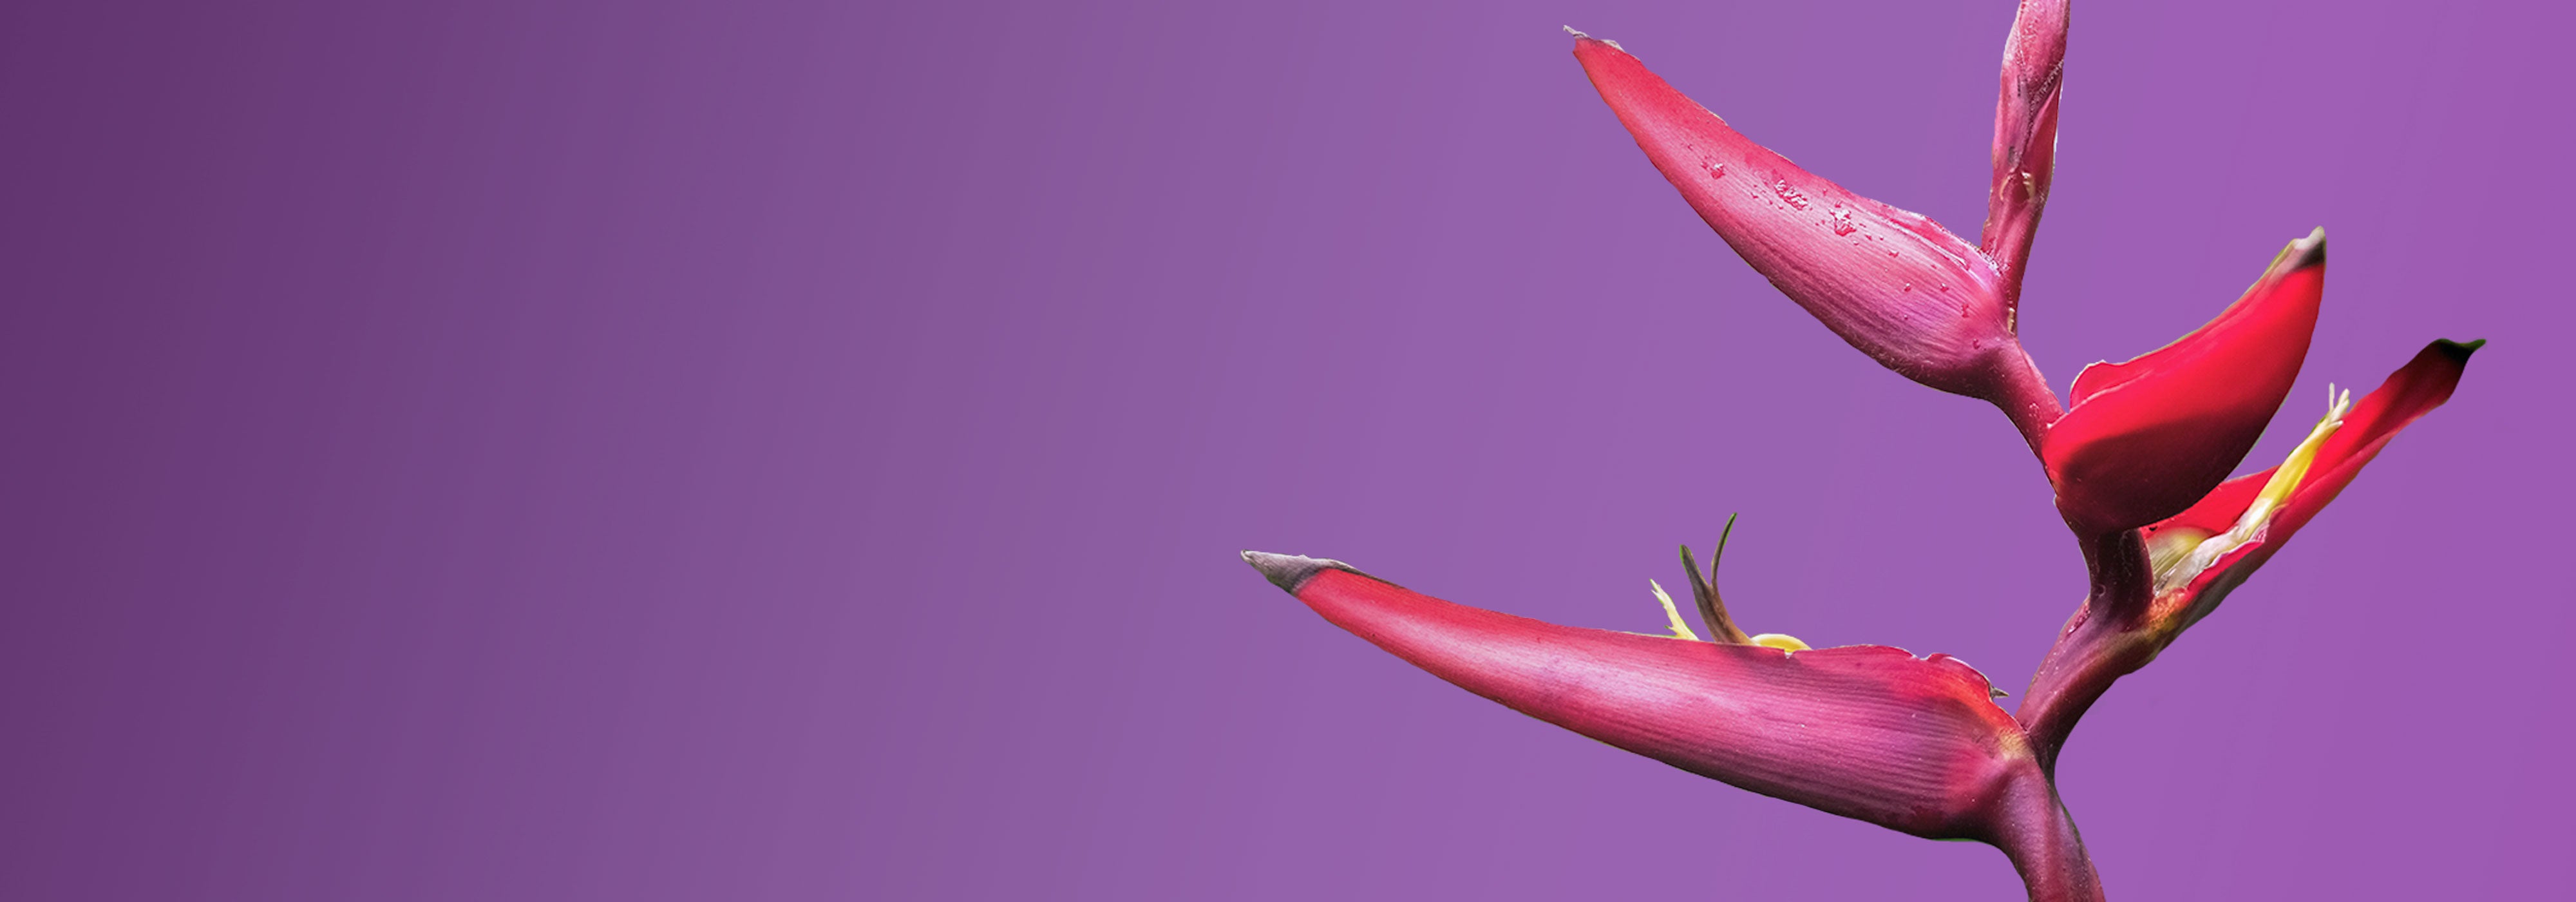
x=2424 y=383
x=2144 y=439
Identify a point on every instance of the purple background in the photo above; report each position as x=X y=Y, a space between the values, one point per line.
x=618 y=451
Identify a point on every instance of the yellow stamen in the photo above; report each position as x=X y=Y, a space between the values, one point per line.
x=2258 y=515
x=1781 y=641
x=2168 y=548
x=1681 y=628
x=2285 y=480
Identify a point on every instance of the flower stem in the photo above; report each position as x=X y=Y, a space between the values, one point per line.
x=2089 y=656
x=2040 y=838
x=2024 y=396
x=2123 y=577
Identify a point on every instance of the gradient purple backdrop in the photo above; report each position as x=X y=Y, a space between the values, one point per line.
x=666 y=451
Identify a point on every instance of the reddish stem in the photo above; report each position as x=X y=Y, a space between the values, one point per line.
x=2023 y=395
x=2093 y=652
x=2040 y=838
x=2123 y=580
x=2109 y=637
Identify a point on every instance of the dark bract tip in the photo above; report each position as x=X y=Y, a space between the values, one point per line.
x=1288 y=571
x=2306 y=252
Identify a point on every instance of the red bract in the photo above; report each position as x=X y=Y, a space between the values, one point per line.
x=2144 y=439
x=2197 y=585
x=1874 y=733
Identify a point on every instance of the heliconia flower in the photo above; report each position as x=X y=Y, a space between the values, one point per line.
x=2139 y=458
x=2203 y=553
x=1894 y=284
x=1868 y=732
x=2144 y=439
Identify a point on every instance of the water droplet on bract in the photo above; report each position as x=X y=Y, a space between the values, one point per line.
x=1795 y=197
x=1909 y=286
x=1717 y=170
x=1843 y=224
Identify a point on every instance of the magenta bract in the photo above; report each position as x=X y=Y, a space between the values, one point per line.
x=1865 y=731
x=1894 y=284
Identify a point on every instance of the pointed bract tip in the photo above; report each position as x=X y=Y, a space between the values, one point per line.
x=1290 y=572
x=2305 y=252
x=1582 y=38
x=2459 y=350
